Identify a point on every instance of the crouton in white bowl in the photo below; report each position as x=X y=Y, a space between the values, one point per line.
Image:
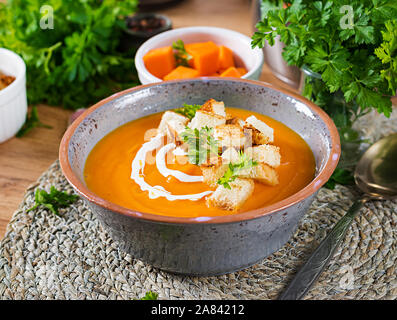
x=251 y=59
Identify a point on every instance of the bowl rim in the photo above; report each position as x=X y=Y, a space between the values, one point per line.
x=320 y=179
x=19 y=77
x=140 y=66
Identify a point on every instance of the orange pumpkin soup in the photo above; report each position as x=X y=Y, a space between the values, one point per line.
x=108 y=171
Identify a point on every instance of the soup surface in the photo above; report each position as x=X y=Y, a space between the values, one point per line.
x=108 y=171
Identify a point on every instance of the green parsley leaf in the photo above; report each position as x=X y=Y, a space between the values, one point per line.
x=387 y=52
x=235 y=169
x=32 y=121
x=201 y=144
x=340 y=176
x=188 y=110
x=150 y=295
x=54 y=200
x=182 y=57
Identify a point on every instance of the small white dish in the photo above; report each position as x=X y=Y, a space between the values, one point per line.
x=13 y=101
x=251 y=59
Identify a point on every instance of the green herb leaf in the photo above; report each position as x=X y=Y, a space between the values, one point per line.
x=54 y=200
x=150 y=295
x=235 y=169
x=188 y=110
x=182 y=57
x=201 y=144
x=387 y=52
x=340 y=176
x=32 y=121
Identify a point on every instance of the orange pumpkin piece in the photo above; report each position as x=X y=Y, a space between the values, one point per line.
x=182 y=72
x=226 y=59
x=205 y=57
x=242 y=71
x=231 y=72
x=160 y=61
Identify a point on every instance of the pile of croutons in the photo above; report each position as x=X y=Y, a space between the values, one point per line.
x=251 y=136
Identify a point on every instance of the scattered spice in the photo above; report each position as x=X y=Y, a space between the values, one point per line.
x=5 y=80
x=148 y=24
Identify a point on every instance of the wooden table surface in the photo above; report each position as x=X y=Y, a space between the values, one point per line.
x=22 y=160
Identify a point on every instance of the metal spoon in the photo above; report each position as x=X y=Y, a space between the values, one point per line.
x=376 y=177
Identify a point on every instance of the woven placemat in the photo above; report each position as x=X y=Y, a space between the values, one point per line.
x=44 y=256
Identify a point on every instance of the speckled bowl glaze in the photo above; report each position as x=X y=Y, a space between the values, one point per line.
x=205 y=245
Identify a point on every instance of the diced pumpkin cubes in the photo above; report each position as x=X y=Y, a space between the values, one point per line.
x=242 y=71
x=182 y=72
x=205 y=57
x=192 y=60
x=160 y=62
x=226 y=59
x=231 y=72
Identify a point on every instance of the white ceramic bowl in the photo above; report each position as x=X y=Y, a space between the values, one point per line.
x=252 y=59
x=13 y=102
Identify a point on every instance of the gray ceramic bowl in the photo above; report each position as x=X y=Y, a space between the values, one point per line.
x=205 y=245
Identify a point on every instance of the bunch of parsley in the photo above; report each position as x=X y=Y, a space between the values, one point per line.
x=77 y=62
x=357 y=61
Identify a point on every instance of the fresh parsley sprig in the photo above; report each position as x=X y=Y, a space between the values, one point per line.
x=340 y=176
x=235 y=169
x=150 y=295
x=182 y=57
x=54 y=200
x=201 y=144
x=188 y=110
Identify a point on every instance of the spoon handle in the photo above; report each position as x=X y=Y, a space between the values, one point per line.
x=311 y=270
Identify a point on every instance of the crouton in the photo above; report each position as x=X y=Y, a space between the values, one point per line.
x=174 y=129
x=212 y=172
x=230 y=155
x=261 y=132
x=230 y=135
x=203 y=119
x=215 y=107
x=235 y=120
x=261 y=173
x=234 y=198
x=265 y=153
x=211 y=114
x=175 y=119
